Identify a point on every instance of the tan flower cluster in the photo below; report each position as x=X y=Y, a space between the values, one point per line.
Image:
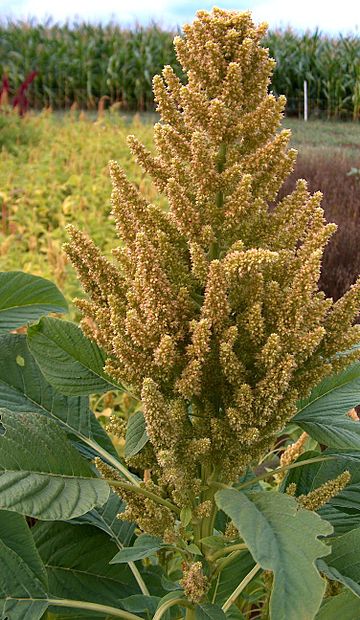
x=194 y=582
x=210 y=309
x=290 y=454
x=320 y=496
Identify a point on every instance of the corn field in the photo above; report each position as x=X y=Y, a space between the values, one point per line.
x=86 y=64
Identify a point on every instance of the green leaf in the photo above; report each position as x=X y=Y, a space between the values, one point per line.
x=343 y=562
x=41 y=474
x=69 y=361
x=208 y=611
x=23 y=388
x=144 y=546
x=136 y=435
x=23 y=579
x=277 y=531
x=77 y=562
x=185 y=515
x=344 y=606
x=25 y=298
x=324 y=413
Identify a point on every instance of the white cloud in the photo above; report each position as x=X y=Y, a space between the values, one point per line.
x=328 y=16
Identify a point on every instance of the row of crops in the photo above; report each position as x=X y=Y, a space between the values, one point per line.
x=85 y=63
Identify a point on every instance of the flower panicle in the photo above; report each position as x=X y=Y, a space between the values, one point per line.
x=211 y=307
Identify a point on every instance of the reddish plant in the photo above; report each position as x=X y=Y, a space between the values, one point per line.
x=20 y=100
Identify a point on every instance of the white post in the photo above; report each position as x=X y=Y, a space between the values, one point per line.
x=305 y=101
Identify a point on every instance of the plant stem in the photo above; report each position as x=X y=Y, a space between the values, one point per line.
x=95 y=607
x=225 y=551
x=190 y=614
x=273 y=472
x=141 y=583
x=167 y=604
x=242 y=585
x=141 y=491
x=115 y=463
x=226 y=561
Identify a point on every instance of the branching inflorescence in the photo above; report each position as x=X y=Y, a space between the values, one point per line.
x=211 y=309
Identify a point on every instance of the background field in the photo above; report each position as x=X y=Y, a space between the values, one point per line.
x=87 y=63
x=53 y=171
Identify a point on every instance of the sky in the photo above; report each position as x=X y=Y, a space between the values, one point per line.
x=329 y=16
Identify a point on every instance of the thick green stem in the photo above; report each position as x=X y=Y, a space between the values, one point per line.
x=226 y=561
x=141 y=491
x=95 y=607
x=190 y=614
x=206 y=525
x=225 y=551
x=232 y=598
x=214 y=250
x=168 y=604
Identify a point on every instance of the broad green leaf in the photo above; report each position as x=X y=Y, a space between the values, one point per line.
x=72 y=363
x=23 y=388
x=136 y=435
x=23 y=579
x=25 y=298
x=343 y=510
x=144 y=546
x=208 y=611
x=344 y=606
x=343 y=562
x=282 y=538
x=341 y=521
x=41 y=474
x=324 y=413
x=77 y=562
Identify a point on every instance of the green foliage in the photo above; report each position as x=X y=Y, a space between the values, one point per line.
x=59 y=179
x=69 y=361
x=23 y=388
x=345 y=606
x=342 y=510
x=50 y=483
x=24 y=298
x=77 y=564
x=276 y=532
x=16 y=132
x=143 y=547
x=96 y=565
x=342 y=563
x=342 y=393
x=23 y=576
